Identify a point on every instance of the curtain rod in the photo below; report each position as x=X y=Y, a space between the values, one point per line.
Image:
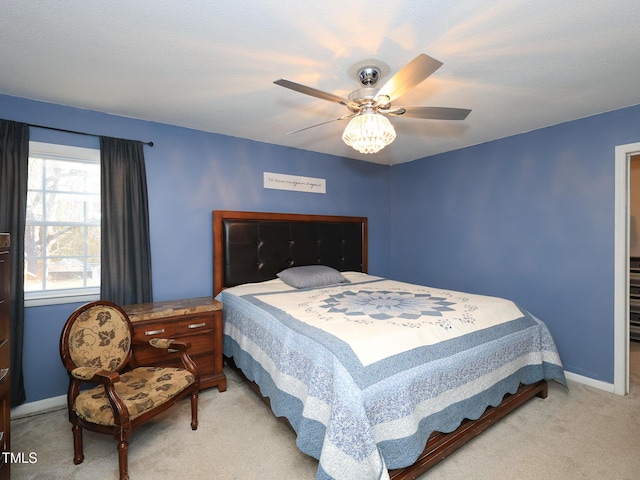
x=73 y=131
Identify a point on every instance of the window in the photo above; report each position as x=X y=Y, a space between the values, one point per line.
x=62 y=234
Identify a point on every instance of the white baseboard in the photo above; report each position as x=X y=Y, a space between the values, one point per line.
x=60 y=402
x=41 y=406
x=600 y=385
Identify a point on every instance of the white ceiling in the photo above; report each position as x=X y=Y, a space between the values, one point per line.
x=210 y=65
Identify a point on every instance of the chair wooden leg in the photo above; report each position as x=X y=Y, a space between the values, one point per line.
x=78 y=454
x=194 y=411
x=123 y=461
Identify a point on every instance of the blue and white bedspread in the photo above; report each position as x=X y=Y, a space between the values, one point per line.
x=366 y=371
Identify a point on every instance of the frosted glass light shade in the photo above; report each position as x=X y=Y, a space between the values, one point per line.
x=369 y=133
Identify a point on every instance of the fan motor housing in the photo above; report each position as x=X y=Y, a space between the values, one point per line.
x=369 y=76
x=362 y=95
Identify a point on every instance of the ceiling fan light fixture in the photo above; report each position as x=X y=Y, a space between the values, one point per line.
x=369 y=132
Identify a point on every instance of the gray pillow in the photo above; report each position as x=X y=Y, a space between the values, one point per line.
x=311 y=276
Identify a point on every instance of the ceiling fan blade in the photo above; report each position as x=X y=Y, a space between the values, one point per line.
x=283 y=82
x=409 y=76
x=323 y=123
x=436 y=113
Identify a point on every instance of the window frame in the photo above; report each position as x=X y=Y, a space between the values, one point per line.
x=70 y=295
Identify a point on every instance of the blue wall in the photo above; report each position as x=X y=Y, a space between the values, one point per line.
x=529 y=217
x=189 y=174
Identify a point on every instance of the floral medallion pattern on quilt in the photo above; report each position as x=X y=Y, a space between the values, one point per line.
x=100 y=338
x=141 y=389
x=385 y=304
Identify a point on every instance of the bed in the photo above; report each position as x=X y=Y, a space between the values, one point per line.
x=380 y=379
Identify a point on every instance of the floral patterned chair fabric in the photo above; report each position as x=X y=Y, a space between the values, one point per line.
x=100 y=337
x=96 y=347
x=141 y=390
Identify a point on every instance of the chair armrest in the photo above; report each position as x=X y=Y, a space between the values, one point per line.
x=172 y=346
x=169 y=343
x=162 y=343
x=98 y=375
x=105 y=378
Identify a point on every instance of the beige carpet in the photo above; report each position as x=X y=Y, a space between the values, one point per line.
x=580 y=433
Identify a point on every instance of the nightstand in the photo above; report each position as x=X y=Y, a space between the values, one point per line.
x=194 y=320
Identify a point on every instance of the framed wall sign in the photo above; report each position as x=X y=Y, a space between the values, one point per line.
x=280 y=181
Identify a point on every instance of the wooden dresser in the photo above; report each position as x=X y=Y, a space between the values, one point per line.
x=5 y=349
x=194 y=320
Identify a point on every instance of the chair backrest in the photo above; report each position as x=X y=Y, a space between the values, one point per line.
x=97 y=335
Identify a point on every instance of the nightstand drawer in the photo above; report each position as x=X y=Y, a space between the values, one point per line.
x=196 y=324
x=5 y=359
x=5 y=349
x=148 y=331
x=5 y=382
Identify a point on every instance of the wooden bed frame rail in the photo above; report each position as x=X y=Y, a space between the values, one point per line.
x=441 y=445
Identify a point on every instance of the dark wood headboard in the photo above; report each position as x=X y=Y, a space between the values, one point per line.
x=255 y=246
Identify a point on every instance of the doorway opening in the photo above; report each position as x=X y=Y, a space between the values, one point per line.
x=634 y=271
x=622 y=221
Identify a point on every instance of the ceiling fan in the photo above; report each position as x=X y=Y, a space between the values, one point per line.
x=369 y=130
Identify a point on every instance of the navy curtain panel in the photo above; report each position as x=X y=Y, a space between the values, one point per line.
x=14 y=169
x=125 y=244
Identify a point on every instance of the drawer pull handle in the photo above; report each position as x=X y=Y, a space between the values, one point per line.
x=154 y=332
x=198 y=325
x=3 y=373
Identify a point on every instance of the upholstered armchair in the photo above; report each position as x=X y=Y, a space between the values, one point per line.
x=96 y=347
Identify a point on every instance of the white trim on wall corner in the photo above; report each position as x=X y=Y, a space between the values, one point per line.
x=621 y=268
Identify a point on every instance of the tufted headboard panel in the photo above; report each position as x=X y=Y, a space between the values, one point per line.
x=255 y=246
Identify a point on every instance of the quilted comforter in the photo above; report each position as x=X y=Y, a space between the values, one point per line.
x=365 y=371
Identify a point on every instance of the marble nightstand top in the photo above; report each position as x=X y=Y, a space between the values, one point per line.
x=171 y=308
